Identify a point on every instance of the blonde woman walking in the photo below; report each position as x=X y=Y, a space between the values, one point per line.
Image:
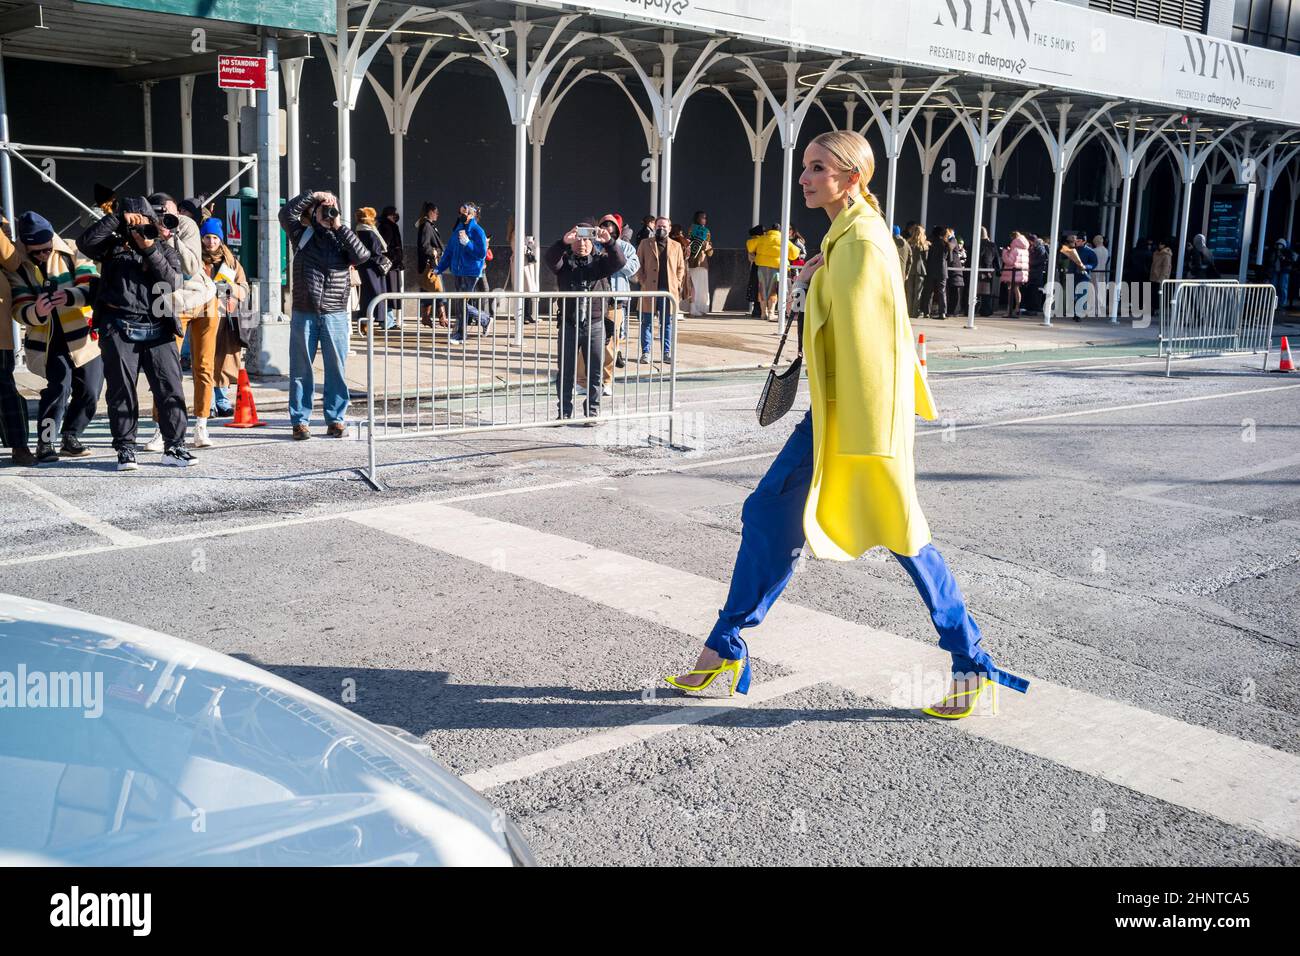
x=845 y=481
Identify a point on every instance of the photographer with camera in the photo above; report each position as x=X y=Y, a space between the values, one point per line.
x=582 y=261
x=464 y=256
x=137 y=325
x=194 y=304
x=52 y=290
x=324 y=247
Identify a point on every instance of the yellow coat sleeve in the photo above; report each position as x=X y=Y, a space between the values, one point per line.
x=866 y=350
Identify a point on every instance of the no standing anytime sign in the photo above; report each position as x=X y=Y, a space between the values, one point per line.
x=241 y=72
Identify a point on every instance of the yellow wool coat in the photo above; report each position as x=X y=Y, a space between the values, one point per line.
x=866 y=385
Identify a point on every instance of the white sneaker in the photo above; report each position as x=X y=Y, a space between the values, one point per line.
x=201 y=437
x=607 y=391
x=156 y=442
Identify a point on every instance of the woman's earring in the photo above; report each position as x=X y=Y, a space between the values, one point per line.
x=851 y=199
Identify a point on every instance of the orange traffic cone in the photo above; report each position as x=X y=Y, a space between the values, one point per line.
x=245 y=408
x=920 y=344
x=1285 y=365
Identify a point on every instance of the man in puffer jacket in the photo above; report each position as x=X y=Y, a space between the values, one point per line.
x=323 y=247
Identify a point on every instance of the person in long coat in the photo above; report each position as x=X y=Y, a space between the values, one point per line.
x=373 y=280
x=845 y=480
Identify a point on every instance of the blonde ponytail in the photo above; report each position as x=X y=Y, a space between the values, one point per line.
x=852 y=153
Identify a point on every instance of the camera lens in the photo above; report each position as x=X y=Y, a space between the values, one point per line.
x=331 y=212
x=170 y=221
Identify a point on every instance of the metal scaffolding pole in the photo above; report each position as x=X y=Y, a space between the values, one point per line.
x=146 y=95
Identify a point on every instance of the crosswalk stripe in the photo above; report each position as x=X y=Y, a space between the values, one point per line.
x=1240 y=782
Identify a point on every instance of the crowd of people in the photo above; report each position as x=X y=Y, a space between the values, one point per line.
x=1014 y=277
x=146 y=276
x=152 y=287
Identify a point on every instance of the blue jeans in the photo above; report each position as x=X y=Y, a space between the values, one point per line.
x=664 y=309
x=307 y=332
x=772 y=540
x=463 y=307
x=220 y=400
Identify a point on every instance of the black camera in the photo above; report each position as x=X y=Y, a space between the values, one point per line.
x=148 y=230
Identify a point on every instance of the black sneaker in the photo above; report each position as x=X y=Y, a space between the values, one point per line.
x=225 y=412
x=46 y=453
x=178 y=455
x=23 y=457
x=73 y=448
x=126 y=460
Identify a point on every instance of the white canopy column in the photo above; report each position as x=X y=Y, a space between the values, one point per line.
x=1129 y=155
x=187 y=134
x=1189 y=158
x=350 y=58
x=399 y=106
x=1062 y=146
x=895 y=125
x=1275 y=162
x=540 y=127
x=759 y=136
x=522 y=85
x=929 y=150
x=668 y=98
x=291 y=70
x=789 y=114
x=982 y=140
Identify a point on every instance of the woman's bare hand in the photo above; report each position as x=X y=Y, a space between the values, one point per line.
x=809 y=268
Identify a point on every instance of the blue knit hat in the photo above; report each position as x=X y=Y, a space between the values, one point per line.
x=34 y=229
x=212 y=227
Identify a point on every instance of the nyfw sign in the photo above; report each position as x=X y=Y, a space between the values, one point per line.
x=1031 y=42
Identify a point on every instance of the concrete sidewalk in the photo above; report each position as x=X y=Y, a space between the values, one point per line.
x=714 y=342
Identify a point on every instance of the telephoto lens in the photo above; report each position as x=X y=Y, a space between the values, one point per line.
x=170 y=220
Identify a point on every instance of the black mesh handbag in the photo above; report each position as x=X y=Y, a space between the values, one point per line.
x=781 y=388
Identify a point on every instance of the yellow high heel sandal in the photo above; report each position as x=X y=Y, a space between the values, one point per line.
x=732 y=667
x=972 y=703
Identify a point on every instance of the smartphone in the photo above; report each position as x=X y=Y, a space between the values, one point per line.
x=587 y=232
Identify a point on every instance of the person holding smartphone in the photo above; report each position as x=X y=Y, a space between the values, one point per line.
x=583 y=261
x=52 y=289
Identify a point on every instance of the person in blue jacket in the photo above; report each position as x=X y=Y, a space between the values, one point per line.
x=463 y=257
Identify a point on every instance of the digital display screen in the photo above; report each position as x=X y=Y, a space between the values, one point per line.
x=1227 y=224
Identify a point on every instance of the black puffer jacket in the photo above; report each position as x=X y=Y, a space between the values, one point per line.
x=583 y=273
x=320 y=263
x=132 y=280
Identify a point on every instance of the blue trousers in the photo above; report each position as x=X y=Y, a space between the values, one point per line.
x=772 y=540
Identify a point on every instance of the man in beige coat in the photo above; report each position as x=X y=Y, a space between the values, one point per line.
x=663 y=269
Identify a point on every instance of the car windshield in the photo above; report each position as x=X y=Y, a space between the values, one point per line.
x=118 y=745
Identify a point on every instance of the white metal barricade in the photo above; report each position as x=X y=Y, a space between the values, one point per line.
x=1215 y=316
x=495 y=361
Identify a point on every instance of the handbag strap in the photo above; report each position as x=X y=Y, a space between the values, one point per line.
x=776 y=361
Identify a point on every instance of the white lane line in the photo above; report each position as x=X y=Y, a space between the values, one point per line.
x=124 y=539
x=573 y=482
x=1240 y=782
x=684 y=713
x=1105 y=410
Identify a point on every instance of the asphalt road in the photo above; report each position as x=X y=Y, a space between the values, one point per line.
x=1127 y=541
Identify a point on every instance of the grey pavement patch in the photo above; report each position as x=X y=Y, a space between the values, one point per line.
x=825 y=777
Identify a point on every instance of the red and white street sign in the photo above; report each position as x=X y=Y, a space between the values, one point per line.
x=241 y=72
